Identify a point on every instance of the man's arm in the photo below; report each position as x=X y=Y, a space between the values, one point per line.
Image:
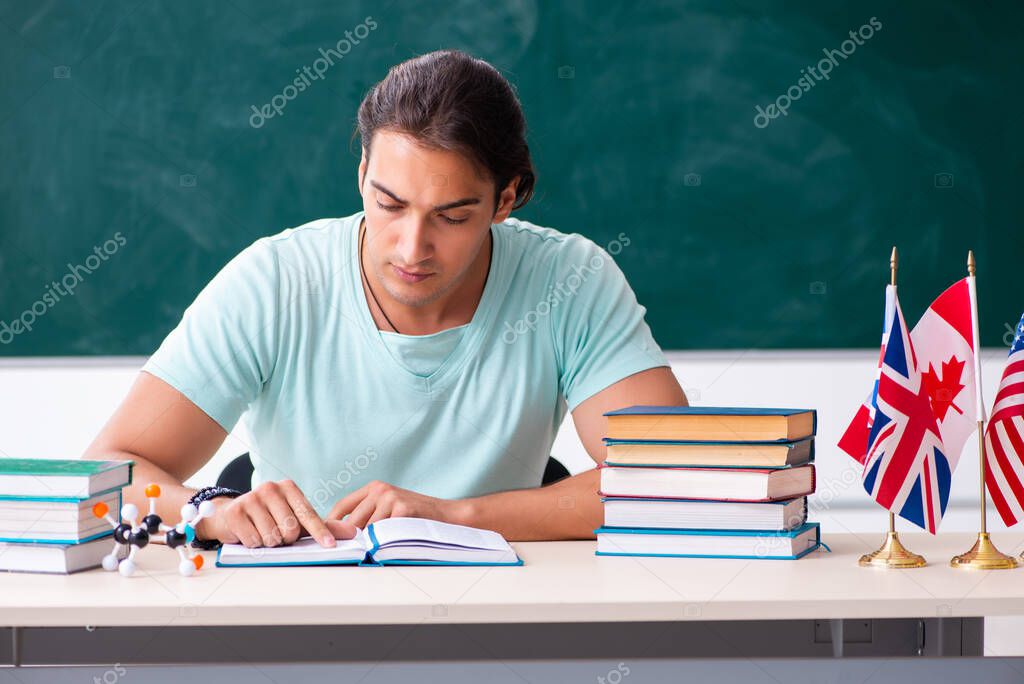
x=567 y=509
x=167 y=436
x=170 y=438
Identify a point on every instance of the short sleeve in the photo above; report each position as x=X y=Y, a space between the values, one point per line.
x=223 y=350
x=600 y=334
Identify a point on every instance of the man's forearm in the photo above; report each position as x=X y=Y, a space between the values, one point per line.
x=173 y=494
x=567 y=509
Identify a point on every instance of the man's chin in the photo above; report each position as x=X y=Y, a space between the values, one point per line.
x=415 y=295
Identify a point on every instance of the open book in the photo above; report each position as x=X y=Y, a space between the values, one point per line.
x=393 y=541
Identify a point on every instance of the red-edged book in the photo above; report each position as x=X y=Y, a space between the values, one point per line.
x=722 y=484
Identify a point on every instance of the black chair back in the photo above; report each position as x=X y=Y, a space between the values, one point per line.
x=238 y=474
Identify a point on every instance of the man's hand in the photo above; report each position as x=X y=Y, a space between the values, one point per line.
x=379 y=500
x=273 y=514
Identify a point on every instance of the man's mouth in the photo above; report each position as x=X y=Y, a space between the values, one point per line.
x=410 y=276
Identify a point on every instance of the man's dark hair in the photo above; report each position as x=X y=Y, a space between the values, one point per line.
x=449 y=100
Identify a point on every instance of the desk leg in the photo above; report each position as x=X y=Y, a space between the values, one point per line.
x=836 y=629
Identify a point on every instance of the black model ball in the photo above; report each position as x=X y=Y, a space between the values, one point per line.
x=152 y=523
x=121 y=533
x=175 y=538
x=138 y=538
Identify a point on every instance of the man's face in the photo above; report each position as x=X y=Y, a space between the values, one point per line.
x=428 y=214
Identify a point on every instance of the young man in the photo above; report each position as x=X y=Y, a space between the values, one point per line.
x=413 y=359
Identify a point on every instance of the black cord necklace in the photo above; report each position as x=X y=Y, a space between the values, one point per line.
x=366 y=279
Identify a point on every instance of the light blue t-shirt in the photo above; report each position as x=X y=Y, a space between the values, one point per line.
x=283 y=335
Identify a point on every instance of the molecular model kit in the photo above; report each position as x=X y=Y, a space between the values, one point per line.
x=135 y=535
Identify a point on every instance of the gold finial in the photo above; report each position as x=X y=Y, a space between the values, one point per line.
x=892 y=265
x=970 y=262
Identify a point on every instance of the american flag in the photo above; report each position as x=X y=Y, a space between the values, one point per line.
x=905 y=469
x=1004 y=445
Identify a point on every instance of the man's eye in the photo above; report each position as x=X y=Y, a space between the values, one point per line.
x=388 y=207
x=452 y=221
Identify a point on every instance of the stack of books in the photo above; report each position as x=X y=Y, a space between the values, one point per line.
x=708 y=482
x=46 y=518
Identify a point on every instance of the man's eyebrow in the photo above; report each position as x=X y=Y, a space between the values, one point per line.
x=441 y=207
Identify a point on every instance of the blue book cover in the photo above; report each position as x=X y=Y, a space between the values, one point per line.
x=107 y=531
x=704 y=411
x=712 y=434
x=816 y=527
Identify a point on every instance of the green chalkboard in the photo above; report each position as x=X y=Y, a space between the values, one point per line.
x=130 y=145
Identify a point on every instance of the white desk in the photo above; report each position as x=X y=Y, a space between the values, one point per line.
x=561 y=582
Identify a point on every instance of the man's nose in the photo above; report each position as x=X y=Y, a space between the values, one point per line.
x=414 y=243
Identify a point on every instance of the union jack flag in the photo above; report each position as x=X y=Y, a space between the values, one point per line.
x=855 y=439
x=1004 y=445
x=905 y=469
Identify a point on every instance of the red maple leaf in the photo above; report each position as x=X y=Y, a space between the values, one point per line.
x=942 y=390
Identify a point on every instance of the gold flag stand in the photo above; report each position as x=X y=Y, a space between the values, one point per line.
x=892 y=553
x=983 y=555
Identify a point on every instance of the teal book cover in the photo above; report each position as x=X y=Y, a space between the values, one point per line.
x=56 y=467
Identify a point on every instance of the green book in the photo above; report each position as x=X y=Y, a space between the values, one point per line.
x=61 y=477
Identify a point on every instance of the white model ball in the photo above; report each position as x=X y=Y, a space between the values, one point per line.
x=189 y=512
x=207 y=508
x=129 y=512
x=126 y=568
x=110 y=563
x=187 y=568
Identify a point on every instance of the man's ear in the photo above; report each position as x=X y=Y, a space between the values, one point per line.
x=362 y=170
x=505 y=201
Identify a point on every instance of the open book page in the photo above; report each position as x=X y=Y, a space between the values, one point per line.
x=417 y=540
x=431 y=533
x=304 y=551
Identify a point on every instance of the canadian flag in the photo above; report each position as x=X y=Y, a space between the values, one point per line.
x=945 y=342
x=944 y=346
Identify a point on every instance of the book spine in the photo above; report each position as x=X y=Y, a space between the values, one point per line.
x=606 y=495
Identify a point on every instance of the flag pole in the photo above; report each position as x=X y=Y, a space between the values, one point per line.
x=983 y=555
x=892 y=553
